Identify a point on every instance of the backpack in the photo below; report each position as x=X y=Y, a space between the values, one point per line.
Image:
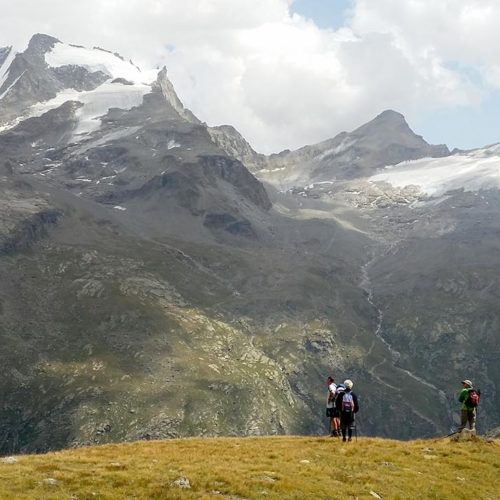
x=347 y=402
x=338 y=398
x=472 y=398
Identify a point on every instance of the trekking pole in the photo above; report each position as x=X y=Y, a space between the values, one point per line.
x=448 y=435
x=358 y=421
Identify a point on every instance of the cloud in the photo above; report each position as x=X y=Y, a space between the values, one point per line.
x=281 y=80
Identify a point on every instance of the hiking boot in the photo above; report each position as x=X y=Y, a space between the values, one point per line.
x=343 y=439
x=350 y=439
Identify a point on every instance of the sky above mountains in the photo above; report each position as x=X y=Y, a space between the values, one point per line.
x=288 y=73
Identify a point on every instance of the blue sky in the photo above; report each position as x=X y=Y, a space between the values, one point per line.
x=325 y=13
x=463 y=127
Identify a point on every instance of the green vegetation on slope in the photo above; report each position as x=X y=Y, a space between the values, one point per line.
x=272 y=467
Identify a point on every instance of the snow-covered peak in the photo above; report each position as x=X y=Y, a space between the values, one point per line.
x=97 y=60
x=50 y=73
x=471 y=171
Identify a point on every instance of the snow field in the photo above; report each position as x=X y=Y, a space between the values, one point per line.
x=472 y=171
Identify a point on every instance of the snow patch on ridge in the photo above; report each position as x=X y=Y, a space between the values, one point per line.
x=97 y=60
x=343 y=146
x=5 y=68
x=3 y=94
x=472 y=171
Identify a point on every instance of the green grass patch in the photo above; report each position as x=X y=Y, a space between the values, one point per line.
x=268 y=467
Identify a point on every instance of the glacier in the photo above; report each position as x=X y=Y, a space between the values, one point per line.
x=474 y=170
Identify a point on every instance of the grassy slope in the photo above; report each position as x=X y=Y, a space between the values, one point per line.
x=274 y=467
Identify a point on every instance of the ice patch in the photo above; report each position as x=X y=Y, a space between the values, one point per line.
x=321 y=183
x=117 y=207
x=472 y=171
x=50 y=167
x=268 y=171
x=172 y=144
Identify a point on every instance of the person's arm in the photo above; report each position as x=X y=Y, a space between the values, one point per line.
x=356 y=404
x=332 y=389
x=463 y=395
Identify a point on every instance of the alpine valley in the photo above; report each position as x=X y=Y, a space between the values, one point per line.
x=159 y=278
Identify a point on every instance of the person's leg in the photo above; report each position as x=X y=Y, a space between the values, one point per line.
x=344 y=433
x=333 y=430
x=336 y=424
x=343 y=427
x=329 y=417
x=471 y=417
x=464 y=416
x=351 y=426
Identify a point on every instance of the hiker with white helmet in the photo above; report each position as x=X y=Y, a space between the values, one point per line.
x=469 y=397
x=347 y=404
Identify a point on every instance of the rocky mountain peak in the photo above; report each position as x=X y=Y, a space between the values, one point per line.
x=390 y=115
x=385 y=140
x=41 y=43
x=165 y=85
x=235 y=145
x=387 y=122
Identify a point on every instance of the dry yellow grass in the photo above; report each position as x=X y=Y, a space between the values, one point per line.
x=269 y=467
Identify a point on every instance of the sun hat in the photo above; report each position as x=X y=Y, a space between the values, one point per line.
x=467 y=382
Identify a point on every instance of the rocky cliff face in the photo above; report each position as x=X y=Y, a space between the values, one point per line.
x=4 y=53
x=235 y=145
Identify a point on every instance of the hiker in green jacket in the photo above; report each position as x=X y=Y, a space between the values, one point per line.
x=467 y=410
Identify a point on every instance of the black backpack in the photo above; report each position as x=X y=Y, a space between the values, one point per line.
x=338 y=398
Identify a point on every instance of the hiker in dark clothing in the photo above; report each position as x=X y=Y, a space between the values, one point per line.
x=336 y=411
x=468 y=408
x=346 y=403
x=330 y=402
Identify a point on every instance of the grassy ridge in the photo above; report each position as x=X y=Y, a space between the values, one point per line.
x=270 y=467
